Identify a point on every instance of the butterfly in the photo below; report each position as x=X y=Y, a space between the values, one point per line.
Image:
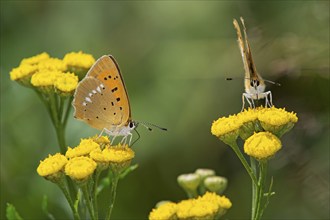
x=254 y=84
x=101 y=100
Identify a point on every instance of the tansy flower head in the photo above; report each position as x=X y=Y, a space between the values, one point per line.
x=250 y=123
x=83 y=149
x=262 y=145
x=277 y=120
x=79 y=62
x=80 y=168
x=119 y=157
x=23 y=73
x=226 y=128
x=35 y=59
x=51 y=167
x=52 y=64
x=102 y=140
x=66 y=83
x=197 y=209
x=165 y=211
x=45 y=79
x=222 y=201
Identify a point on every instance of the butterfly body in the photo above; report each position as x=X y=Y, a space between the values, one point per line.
x=254 y=84
x=101 y=99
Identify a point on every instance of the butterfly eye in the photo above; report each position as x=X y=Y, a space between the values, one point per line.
x=131 y=124
x=251 y=83
x=258 y=83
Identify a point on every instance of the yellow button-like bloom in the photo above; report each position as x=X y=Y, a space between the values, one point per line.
x=35 y=59
x=222 y=201
x=80 y=168
x=66 y=83
x=117 y=154
x=52 y=64
x=52 y=165
x=277 y=120
x=262 y=145
x=79 y=60
x=23 y=71
x=226 y=128
x=166 y=211
x=83 y=149
x=208 y=206
x=45 y=78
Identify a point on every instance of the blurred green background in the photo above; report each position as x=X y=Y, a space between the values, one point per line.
x=174 y=57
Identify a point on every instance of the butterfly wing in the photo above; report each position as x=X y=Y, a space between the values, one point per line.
x=101 y=99
x=241 y=46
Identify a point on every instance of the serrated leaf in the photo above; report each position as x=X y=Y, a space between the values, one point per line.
x=11 y=213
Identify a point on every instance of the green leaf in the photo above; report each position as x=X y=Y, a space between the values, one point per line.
x=44 y=207
x=11 y=213
x=128 y=170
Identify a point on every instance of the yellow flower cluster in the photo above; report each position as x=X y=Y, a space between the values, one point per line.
x=208 y=206
x=254 y=120
x=246 y=123
x=46 y=73
x=81 y=161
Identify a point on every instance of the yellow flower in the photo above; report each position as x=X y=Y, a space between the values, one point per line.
x=45 y=78
x=52 y=64
x=102 y=140
x=80 y=168
x=118 y=157
x=79 y=60
x=79 y=63
x=35 y=59
x=197 y=209
x=226 y=128
x=222 y=201
x=83 y=149
x=262 y=145
x=119 y=153
x=51 y=166
x=23 y=71
x=249 y=120
x=165 y=211
x=277 y=120
x=66 y=83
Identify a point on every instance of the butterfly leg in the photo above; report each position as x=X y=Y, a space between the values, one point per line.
x=269 y=93
x=248 y=99
x=103 y=130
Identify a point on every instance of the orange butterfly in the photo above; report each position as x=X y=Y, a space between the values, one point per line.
x=101 y=100
x=254 y=84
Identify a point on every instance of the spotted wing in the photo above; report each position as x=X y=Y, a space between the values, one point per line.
x=97 y=105
x=107 y=71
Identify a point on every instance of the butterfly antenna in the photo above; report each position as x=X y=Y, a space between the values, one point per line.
x=274 y=83
x=148 y=126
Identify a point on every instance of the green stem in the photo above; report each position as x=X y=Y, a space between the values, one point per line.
x=66 y=193
x=113 y=190
x=96 y=183
x=261 y=184
x=239 y=154
x=254 y=188
x=86 y=194
x=67 y=111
